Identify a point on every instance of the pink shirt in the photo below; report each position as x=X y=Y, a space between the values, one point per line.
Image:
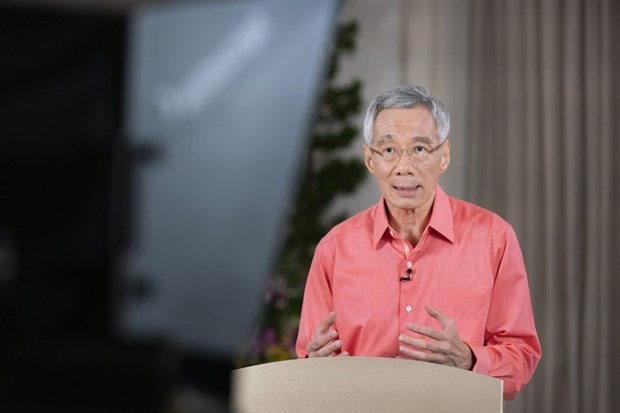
x=468 y=264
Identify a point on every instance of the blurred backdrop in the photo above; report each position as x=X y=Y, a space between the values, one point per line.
x=532 y=89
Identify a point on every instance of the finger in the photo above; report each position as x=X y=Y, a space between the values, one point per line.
x=326 y=350
x=439 y=347
x=444 y=321
x=322 y=333
x=451 y=351
x=411 y=353
x=324 y=326
x=427 y=331
x=320 y=340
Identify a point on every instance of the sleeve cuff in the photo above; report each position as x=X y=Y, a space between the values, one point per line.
x=483 y=364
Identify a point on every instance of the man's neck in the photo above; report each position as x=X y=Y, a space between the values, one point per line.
x=410 y=224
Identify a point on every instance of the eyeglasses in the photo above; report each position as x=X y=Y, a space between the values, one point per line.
x=419 y=152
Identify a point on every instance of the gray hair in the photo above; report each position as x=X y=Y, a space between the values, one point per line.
x=407 y=97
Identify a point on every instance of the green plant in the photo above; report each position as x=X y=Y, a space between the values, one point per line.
x=327 y=174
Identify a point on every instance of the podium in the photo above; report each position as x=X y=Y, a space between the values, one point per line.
x=362 y=384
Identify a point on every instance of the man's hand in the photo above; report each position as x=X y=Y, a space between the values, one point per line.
x=324 y=342
x=446 y=346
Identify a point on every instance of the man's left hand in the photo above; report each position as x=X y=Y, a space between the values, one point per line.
x=446 y=346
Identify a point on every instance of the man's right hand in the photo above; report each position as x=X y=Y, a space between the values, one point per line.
x=324 y=343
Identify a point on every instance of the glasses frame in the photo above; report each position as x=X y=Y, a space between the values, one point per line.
x=401 y=150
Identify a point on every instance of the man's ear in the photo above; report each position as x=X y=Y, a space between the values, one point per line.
x=370 y=164
x=445 y=156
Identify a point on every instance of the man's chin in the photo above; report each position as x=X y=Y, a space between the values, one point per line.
x=404 y=203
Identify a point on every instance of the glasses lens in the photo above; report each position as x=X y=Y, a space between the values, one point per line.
x=416 y=153
x=419 y=155
x=390 y=156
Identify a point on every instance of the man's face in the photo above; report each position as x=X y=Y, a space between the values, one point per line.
x=407 y=184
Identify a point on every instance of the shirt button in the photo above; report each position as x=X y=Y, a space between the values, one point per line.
x=409 y=264
x=408 y=308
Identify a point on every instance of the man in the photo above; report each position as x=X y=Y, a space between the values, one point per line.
x=420 y=275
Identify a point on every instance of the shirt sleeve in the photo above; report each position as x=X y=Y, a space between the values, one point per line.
x=512 y=349
x=317 y=301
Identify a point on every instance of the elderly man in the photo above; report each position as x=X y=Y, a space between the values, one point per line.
x=420 y=275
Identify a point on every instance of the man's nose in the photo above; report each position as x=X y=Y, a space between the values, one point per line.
x=405 y=163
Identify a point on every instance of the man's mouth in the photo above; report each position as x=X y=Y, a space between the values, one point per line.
x=406 y=190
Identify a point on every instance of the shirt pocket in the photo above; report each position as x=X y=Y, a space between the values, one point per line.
x=468 y=310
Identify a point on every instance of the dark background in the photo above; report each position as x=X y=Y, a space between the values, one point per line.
x=118 y=287
x=62 y=214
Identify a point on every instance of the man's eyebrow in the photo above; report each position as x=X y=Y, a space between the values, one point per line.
x=423 y=139
x=384 y=138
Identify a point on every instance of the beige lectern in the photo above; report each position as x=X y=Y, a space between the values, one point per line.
x=362 y=384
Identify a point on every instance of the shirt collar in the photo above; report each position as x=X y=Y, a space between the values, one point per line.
x=381 y=223
x=441 y=218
